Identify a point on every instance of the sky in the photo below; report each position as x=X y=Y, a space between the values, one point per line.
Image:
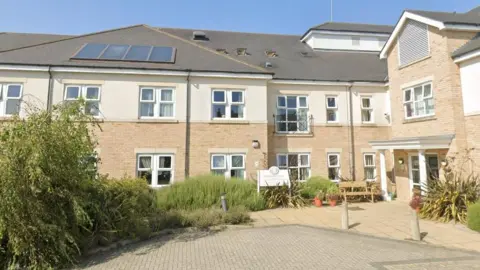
x=258 y=16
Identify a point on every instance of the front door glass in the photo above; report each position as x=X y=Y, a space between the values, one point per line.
x=432 y=167
x=415 y=172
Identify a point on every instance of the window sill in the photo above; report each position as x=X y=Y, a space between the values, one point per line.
x=229 y=121
x=414 y=62
x=369 y=125
x=294 y=134
x=157 y=120
x=420 y=119
x=333 y=124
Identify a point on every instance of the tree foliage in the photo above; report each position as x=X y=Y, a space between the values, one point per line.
x=45 y=160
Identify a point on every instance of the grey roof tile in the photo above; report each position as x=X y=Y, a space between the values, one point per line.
x=9 y=41
x=189 y=56
x=470 y=18
x=290 y=63
x=470 y=46
x=354 y=27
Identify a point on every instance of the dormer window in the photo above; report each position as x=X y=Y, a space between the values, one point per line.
x=222 y=51
x=271 y=53
x=200 y=35
x=242 y=51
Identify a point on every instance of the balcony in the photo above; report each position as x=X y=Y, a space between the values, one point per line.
x=293 y=123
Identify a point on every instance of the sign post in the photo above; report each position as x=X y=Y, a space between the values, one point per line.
x=272 y=177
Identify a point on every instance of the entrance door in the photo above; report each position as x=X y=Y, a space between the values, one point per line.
x=414 y=173
x=432 y=167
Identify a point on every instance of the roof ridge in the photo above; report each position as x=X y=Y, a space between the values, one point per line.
x=225 y=31
x=356 y=23
x=72 y=37
x=204 y=48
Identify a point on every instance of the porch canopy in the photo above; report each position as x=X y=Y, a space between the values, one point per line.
x=410 y=143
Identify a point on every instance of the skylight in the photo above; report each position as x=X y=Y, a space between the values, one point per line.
x=122 y=52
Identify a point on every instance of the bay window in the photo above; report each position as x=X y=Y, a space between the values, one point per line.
x=298 y=165
x=10 y=98
x=157 y=102
x=292 y=114
x=333 y=163
x=418 y=101
x=229 y=165
x=157 y=169
x=228 y=104
x=90 y=93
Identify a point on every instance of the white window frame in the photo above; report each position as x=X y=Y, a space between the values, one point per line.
x=82 y=93
x=332 y=108
x=285 y=107
x=369 y=109
x=299 y=165
x=228 y=103
x=413 y=101
x=154 y=167
x=157 y=101
x=355 y=41
x=338 y=166
x=228 y=164
x=4 y=98
x=366 y=166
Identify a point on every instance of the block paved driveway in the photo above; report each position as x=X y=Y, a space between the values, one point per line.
x=382 y=219
x=282 y=247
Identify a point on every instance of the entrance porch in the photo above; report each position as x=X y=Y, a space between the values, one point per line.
x=417 y=160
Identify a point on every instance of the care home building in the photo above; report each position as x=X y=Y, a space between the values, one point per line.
x=368 y=102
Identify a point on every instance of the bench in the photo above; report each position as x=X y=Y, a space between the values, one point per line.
x=363 y=188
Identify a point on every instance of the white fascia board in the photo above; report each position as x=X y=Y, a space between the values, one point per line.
x=327 y=83
x=467 y=56
x=407 y=15
x=406 y=144
x=462 y=27
x=23 y=68
x=351 y=33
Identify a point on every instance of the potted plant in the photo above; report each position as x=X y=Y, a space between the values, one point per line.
x=333 y=195
x=319 y=199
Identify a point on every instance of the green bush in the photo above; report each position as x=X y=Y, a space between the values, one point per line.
x=473 y=216
x=204 y=192
x=313 y=185
x=447 y=200
x=44 y=172
x=118 y=209
x=282 y=196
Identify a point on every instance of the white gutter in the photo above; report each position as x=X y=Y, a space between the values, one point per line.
x=467 y=56
x=327 y=83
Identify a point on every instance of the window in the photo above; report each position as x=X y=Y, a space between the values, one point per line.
x=356 y=41
x=292 y=114
x=228 y=104
x=418 y=101
x=369 y=166
x=298 y=165
x=229 y=165
x=10 y=98
x=157 y=102
x=157 y=169
x=333 y=166
x=91 y=95
x=413 y=43
x=367 y=110
x=332 y=109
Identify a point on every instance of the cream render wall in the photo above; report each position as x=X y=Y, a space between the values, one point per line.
x=35 y=85
x=470 y=79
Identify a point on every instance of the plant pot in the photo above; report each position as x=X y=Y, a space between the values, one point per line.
x=317 y=202
x=332 y=202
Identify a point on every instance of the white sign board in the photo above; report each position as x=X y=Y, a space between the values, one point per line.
x=272 y=177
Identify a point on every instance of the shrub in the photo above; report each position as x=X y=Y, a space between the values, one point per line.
x=473 y=216
x=282 y=196
x=313 y=185
x=204 y=192
x=448 y=199
x=44 y=169
x=118 y=209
